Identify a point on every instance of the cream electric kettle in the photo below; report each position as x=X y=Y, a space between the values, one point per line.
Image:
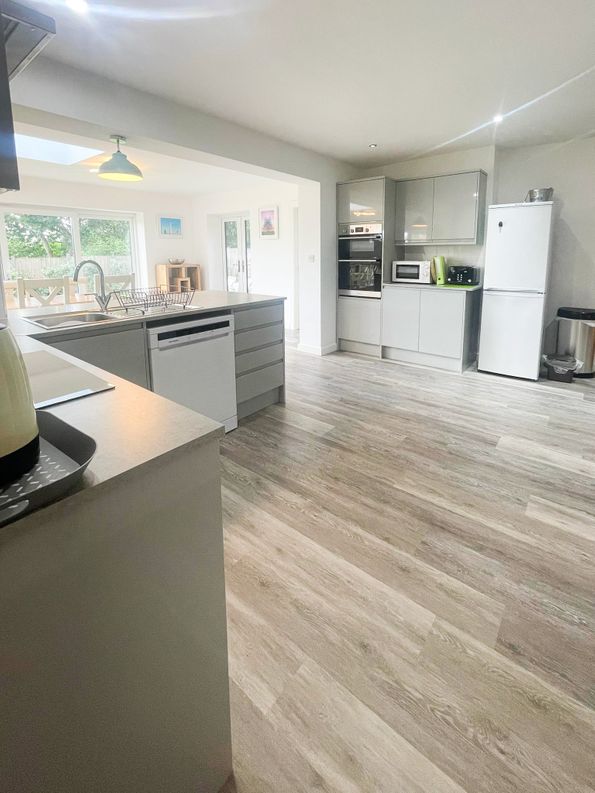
x=19 y=435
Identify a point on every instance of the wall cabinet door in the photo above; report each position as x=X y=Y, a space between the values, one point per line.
x=441 y=322
x=358 y=319
x=455 y=207
x=400 y=317
x=360 y=202
x=414 y=210
x=121 y=352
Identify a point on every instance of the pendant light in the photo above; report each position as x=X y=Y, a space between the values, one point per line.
x=119 y=168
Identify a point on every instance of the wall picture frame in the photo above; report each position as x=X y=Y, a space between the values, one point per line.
x=171 y=227
x=268 y=223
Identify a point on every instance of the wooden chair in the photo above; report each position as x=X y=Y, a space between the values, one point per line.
x=112 y=282
x=29 y=289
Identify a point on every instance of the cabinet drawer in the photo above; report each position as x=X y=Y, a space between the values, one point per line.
x=251 y=317
x=260 y=337
x=253 y=360
x=358 y=319
x=255 y=383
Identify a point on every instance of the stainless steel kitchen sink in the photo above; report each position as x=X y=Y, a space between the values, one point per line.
x=69 y=319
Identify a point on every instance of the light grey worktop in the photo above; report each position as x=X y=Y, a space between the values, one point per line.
x=130 y=424
x=453 y=288
x=203 y=302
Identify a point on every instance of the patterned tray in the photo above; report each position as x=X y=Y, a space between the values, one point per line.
x=64 y=455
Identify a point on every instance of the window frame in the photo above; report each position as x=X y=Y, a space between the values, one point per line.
x=75 y=215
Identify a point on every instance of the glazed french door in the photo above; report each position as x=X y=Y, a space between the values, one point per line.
x=237 y=253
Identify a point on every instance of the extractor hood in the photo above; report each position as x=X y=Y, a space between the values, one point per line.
x=26 y=32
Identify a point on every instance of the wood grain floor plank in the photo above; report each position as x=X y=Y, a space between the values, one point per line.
x=409 y=564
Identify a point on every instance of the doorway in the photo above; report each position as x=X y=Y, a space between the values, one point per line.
x=237 y=253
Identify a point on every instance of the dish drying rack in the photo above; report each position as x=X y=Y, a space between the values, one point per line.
x=153 y=297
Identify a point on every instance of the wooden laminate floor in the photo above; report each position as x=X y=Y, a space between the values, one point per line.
x=411 y=573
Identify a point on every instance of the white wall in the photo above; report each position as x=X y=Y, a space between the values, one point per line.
x=273 y=263
x=570 y=169
x=60 y=97
x=154 y=249
x=482 y=158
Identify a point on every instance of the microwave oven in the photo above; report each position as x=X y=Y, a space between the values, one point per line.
x=412 y=272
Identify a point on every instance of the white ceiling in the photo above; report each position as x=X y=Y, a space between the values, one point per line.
x=336 y=75
x=162 y=173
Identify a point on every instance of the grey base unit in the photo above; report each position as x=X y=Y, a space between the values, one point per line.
x=358 y=325
x=122 y=351
x=260 y=357
x=431 y=326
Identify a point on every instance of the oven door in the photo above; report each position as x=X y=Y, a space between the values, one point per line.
x=360 y=248
x=360 y=279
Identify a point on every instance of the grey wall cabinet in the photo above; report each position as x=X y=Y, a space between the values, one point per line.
x=414 y=210
x=361 y=201
x=122 y=352
x=358 y=319
x=443 y=209
x=430 y=325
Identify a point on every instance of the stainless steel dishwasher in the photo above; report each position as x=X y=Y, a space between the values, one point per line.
x=193 y=363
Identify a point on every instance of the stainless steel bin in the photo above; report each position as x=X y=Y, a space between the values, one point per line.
x=576 y=336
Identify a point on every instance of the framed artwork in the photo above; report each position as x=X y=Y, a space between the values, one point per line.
x=170 y=227
x=268 y=223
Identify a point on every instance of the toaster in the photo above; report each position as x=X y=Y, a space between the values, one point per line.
x=462 y=274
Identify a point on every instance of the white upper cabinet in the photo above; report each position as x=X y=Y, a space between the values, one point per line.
x=441 y=209
x=361 y=201
x=414 y=210
x=455 y=207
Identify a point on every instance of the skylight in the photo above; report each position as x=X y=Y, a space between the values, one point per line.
x=31 y=148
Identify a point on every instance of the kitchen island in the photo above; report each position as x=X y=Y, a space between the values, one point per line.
x=119 y=345
x=112 y=605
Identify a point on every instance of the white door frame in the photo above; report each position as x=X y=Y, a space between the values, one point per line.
x=240 y=218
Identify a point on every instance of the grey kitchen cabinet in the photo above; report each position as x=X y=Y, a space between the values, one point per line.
x=361 y=201
x=430 y=325
x=456 y=207
x=259 y=357
x=122 y=351
x=441 y=210
x=358 y=319
x=441 y=322
x=414 y=210
x=400 y=317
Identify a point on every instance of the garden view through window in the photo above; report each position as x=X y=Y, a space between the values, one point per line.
x=40 y=251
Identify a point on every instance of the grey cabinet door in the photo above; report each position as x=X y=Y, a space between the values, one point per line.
x=121 y=352
x=442 y=322
x=400 y=317
x=360 y=202
x=456 y=201
x=358 y=319
x=414 y=211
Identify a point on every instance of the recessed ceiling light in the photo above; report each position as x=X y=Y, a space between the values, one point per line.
x=31 y=148
x=79 y=6
x=498 y=118
x=93 y=170
x=372 y=145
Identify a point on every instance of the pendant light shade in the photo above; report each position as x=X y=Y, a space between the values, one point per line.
x=119 y=168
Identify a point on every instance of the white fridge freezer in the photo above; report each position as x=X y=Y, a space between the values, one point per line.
x=511 y=333
x=518 y=247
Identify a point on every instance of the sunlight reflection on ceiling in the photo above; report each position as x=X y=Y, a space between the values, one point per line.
x=155 y=11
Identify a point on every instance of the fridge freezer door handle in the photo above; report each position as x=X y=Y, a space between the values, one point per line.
x=514 y=291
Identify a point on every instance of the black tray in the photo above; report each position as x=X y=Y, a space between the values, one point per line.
x=65 y=453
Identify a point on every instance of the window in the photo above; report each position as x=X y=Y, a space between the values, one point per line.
x=40 y=249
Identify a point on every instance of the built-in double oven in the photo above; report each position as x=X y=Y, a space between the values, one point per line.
x=360 y=259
